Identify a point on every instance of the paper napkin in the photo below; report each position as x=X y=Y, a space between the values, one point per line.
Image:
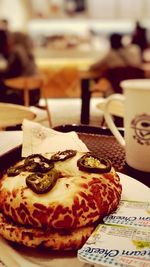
x=40 y=139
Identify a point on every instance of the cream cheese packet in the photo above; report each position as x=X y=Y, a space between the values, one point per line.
x=40 y=139
x=117 y=246
x=130 y=213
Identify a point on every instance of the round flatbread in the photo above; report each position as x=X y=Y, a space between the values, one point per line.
x=32 y=237
x=76 y=200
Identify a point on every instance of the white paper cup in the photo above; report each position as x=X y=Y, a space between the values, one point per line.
x=136 y=100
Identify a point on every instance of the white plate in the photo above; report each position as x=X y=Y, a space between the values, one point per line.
x=9 y=140
x=132 y=190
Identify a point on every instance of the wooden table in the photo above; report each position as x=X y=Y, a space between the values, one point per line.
x=85 y=77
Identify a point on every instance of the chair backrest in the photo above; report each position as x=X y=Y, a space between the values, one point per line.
x=60 y=81
x=25 y=84
x=118 y=74
x=12 y=114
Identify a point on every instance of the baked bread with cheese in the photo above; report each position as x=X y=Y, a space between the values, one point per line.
x=35 y=237
x=77 y=201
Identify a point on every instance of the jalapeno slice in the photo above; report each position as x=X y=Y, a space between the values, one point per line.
x=38 y=163
x=93 y=163
x=36 y=158
x=39 y=167
x=15 y=170
x=63 y=155
x=33 y=163
x=42 y=183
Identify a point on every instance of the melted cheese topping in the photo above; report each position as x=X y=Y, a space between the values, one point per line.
x=64 y=189
x=77 y=199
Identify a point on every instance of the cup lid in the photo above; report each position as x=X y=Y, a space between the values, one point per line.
x=136 y=84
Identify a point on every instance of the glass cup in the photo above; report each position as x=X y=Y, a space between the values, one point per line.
x=136 y=101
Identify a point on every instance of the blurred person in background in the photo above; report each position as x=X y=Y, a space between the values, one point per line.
x=4 y=24
x=118 y=55
x=16 y=48
x=139 y=36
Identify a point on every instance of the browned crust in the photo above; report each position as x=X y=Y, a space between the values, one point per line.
x=56 y=240
x=97 y=196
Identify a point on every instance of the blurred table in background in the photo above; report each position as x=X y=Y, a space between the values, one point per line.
x=85 y=76
x=45 y=64
x=82 y=62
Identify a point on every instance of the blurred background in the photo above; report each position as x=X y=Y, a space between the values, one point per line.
x=81 y=24
x=75 y=33
x=97 y=15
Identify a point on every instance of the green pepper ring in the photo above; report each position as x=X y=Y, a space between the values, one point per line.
x=46 y=181
x=31 y=165
x=82 y=167
x=33 y=156
x=67 y=154
x=38 y=167
x=15 y=170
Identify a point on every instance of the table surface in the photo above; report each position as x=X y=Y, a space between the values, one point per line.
x=101 y=142
x=85 y=75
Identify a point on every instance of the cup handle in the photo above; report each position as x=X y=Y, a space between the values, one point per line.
x=109 y=119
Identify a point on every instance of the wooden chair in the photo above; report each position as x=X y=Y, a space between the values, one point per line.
x=118 y=74
x=53 y=80
x=112 y=77
x=115 y=76
x=65 y=78
x=25 y=84
x=13 y=115
x=61 y=81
